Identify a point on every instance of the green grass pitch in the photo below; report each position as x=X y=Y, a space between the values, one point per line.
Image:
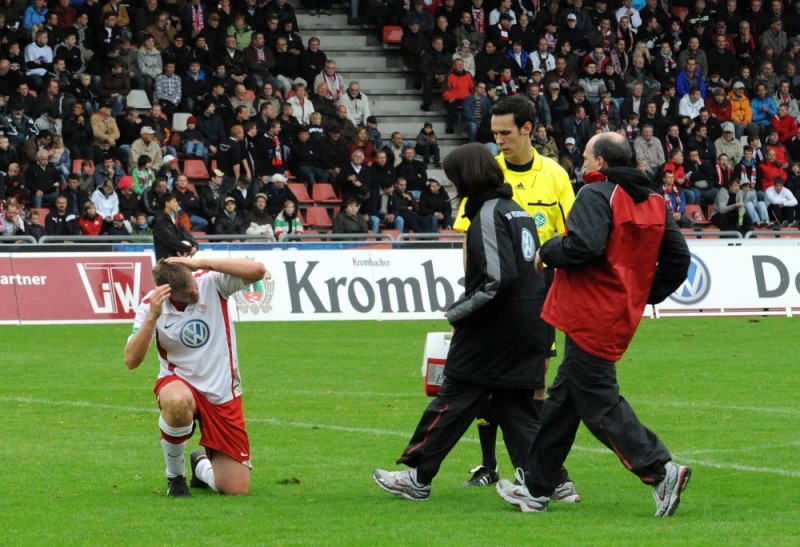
x=327 y=402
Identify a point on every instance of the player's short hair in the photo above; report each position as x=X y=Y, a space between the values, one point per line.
x=177 y=276
x=523 y=109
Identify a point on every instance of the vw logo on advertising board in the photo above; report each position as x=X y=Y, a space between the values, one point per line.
x=195 y=333
x=696 y=286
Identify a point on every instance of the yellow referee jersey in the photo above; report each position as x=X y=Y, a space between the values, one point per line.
x=544 y=191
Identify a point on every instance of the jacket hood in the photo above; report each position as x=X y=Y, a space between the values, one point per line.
x=633 y=181
x=474 y=204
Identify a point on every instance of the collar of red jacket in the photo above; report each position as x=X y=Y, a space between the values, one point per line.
x=594 y=176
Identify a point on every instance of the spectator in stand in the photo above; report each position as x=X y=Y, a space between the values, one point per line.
x=435 y=202
x=756 y=210
x=413 y=171
x=146 y=145
x=270 y=149
x=189 y=202
x=38 y=59
x=434 y=69
x=675 y=200
x=302 y=105
x=578 y=127
x=230 y=159
x=545 y=144
x=194 y=144
x=413 y=220
x=258 y=221
x=355 y=180
x=647 y=147
x=357 y=104
x=785 y=124
x=278 y=193
x=105 y=131
x=346 y=127
x=691 y=103
x=77 y=132
x=332 y=80
x=682 y=179
x=782 y=155
x=41 y=180
x=169 y=170
x=477 y=111
x=458 y=86
x=229 y=221
x=781 y=203
x=689 y=77
x=361 y=142
x=212 y=195
x=114 y=86
x=244 y=192
x=334 y=152
x=307 y=159
x=384 y=209
x=140 y=226
x=75 y=195
x=287 y=222
x=149 y=63
x=763 y=106
x=464 y=52
x=349 y=220
x=170 y=238
x=90 y=222
x=129 y=202
x=60 y=222
x=427 y=145
x=719 y=106
x=770 y=171
x=106 y=201
x=728 y=212
x=120 y=226
x=383 y=173
x=168 y=89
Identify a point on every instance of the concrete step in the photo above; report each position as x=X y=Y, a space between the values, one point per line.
x=342 y=39
x=306 y=21
x=388 y=82
x=379 y=63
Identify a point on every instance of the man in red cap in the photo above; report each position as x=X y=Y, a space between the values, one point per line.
x=129 y=204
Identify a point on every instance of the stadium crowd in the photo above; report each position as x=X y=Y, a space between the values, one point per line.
x=108 y=106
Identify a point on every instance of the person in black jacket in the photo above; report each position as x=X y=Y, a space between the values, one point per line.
x=169 y=237
x=435 y=203
x=499 y=344
x=60 y=222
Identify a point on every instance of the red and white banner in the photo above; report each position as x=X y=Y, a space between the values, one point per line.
x=70 y=288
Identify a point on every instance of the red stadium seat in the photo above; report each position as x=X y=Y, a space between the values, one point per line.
x=299 y=190
x=680 y=12
x=696 y=213
x=322 y=192
x=317 y=217
x=195 y=169
x=392 y=34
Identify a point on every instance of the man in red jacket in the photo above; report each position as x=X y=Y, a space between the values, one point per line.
x=458 y=86
x=621 y=252
x=785 y=124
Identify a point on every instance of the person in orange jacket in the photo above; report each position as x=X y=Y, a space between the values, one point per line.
x=458 y=86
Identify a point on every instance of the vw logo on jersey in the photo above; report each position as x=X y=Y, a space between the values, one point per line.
x=539 y=219
x=697 y=284
x=528 y=245
x=195 y=333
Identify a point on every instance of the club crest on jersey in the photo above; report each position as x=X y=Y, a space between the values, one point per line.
x=256 y=298
x=195 y=333
x=539 y=219
x=528 y=244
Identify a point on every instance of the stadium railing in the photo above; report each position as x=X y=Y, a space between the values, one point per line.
x=18 y=239
x=335 y=237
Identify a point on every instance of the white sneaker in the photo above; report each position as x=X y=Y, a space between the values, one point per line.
x=518 y=495
x=400 y=483
x=667 y=493
x=566 y=493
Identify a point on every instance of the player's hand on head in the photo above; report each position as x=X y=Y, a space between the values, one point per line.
x=160 y=295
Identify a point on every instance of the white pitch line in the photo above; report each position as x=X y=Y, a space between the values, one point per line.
x=637 y=402
x=387 y=433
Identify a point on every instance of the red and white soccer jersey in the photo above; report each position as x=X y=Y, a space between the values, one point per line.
x=199 y=343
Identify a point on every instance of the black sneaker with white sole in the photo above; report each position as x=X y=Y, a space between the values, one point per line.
x=482 y=476
x=177 y=487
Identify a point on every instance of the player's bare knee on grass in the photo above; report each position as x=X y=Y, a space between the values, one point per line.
x=232 y=477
